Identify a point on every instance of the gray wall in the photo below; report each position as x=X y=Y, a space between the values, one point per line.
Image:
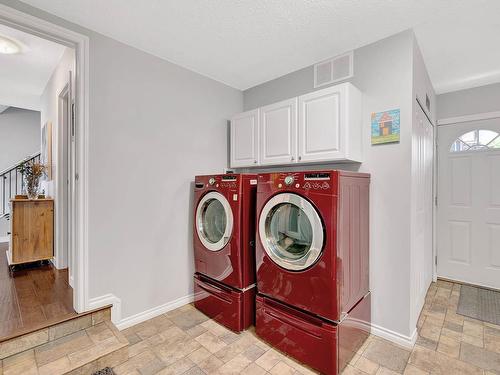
x=383 y=72
x=153 y=127
x=19 y=135
x=468 y=102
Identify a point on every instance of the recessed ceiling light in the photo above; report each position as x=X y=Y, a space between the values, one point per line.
x=9 y=46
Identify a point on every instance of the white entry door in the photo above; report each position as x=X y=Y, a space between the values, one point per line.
x=469 y=202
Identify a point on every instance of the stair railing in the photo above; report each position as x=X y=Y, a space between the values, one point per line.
x=12 y=183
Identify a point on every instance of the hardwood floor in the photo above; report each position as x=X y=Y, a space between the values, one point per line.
x=32 y=297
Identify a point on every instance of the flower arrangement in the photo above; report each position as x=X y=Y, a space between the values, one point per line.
x=32 y=171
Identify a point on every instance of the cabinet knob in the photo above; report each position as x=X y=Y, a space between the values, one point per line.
x=255 y=161
x=292 y=158
x=300 y=157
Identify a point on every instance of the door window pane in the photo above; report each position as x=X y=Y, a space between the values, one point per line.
x=289 y=231
x=213 y=220
x=480 y=139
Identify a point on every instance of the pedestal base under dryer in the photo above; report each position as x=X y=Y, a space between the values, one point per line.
x=232 y=308
x=324 y=346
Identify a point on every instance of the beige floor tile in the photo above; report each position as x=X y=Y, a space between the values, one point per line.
x=99 y=332
x=199 y=355
x=430 y=331
x=211 y=365
x=57 y=367
x=473 y=329
x=211 y=342
x=449 y=346
x=135 y=363
x=253 y=369
x=387 y=355
x=481 y=358
x=281 y=368
x=61 y=347
x=235 y=365
x=349 y=370
x=476 y=341
x=386 y=371
x=366 y=365
x=179 y=367
x=22 y=363
x=196 y=331
x=269 y=359
x=412 y=370
x=491 y=341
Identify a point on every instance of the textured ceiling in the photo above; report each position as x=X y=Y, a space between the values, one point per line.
x=247 y=42
x=23 y=76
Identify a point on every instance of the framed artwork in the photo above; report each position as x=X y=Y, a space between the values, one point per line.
x=46 y=153
x=385 y=127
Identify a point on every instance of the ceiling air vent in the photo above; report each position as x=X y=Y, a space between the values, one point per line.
x=333 y=70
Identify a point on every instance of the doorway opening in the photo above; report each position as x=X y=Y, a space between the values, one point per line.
x=39 y=290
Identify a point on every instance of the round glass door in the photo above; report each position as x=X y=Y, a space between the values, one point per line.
x=214 y=221
x=291 y=231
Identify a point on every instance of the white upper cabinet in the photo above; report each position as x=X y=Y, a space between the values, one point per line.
x=323 y=126
x=278 y=133
x=244 y=135
x=329 y=126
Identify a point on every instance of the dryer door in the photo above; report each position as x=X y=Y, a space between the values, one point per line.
x=214 y=221
x=291 y=231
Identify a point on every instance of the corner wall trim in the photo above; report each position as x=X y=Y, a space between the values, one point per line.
x=467 y=118
x=108 y=299
x=153 y=312
x=397 y=338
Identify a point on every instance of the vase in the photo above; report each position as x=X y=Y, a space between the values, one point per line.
x=32 y=187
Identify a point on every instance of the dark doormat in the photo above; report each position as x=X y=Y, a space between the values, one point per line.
x=479 y=303
x=104 y=371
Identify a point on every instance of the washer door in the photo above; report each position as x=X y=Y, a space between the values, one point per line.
x=291 y=231
x=214 y=221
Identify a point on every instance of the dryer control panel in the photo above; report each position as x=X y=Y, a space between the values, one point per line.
x=320 y=181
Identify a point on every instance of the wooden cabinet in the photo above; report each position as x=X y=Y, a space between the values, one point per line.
x=32 y=231
x=322 y=126
x=278 y=133
x=330 y=124
x=244 y=135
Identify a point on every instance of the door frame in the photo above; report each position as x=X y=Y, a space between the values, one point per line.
x=80 y=43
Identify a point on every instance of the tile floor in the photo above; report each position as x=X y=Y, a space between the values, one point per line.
x=32 y=297
x=184 y=341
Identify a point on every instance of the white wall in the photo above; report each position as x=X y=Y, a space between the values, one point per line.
x=19 y=135
x=468 y=102
x=153 y=127
x=56 y=188
x=383 y=72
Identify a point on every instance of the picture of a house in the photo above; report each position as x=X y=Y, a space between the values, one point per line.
x=385 y=127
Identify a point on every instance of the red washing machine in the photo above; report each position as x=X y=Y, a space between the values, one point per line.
x=223 y=241
x=312 y=265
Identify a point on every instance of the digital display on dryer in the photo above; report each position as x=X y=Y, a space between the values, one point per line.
x=316 y=176
x=228 y=178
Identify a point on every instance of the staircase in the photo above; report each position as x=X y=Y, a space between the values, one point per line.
x=11 y=184
x=80 y=345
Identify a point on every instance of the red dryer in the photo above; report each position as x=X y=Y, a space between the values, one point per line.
x=223 y=241
x=312 y=265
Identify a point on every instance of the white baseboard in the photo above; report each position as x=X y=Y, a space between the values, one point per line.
x=397 y=338
x=154 y=312
x=116 y=310
x=4 y=239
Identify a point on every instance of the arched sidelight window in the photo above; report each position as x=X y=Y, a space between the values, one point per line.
x=479 y=139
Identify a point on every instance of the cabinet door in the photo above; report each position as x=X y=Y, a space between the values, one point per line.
x=278 y=133
x=244 y=139
x=321 y=116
